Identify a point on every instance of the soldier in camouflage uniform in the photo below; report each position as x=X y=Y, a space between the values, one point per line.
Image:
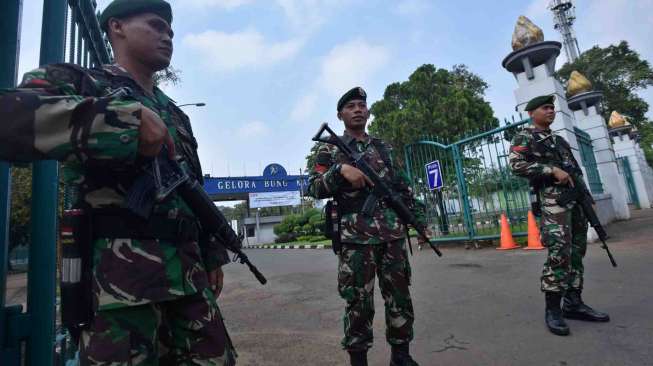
x=539 y=155
x=154 y=283
x=371 y=246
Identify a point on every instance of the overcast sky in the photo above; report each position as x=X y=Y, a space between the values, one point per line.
x=271 y=71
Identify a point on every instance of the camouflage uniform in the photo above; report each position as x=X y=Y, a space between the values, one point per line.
x=371 y=245
x=564 y=229
x=145 y=291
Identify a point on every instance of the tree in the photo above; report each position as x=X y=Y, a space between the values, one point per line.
x=21 y=194
x=169 y=75
x=446 y=104
x=310 y=158
x=443 y=104
x=619 y=72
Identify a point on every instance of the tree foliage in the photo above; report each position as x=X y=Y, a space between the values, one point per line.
x=619 y=72
x=308 y=226
x=310 y=158
x=168 y=76
x=445 y=104
x=21 y=198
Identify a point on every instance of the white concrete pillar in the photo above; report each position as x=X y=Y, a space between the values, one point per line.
x=625 y=146
x=534 y=69
x=590 y=121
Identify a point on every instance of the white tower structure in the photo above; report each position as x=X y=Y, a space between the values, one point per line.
x=564 y=16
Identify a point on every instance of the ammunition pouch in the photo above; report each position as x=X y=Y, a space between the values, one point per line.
x=332 y=225
x=78 y=229
x=76 y=270
x=536 y=201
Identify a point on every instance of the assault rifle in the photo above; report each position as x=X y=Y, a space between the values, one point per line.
x=380 y=191
x=163 y=176
x=581 y=195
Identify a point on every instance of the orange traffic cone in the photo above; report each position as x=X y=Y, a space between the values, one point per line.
x=507 y=241
x=534 y=241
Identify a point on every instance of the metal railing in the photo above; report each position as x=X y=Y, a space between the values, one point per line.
x=32 y=333
x=589 y=161
x=478 y=185
x=624 y=169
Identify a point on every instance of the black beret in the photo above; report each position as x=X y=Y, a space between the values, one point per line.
x=537 y=102
x=354 y=93
x=125 y=8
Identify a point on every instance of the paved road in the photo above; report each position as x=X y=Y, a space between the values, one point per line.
x=473 y=307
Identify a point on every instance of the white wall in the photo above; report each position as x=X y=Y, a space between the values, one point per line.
x=613 y=184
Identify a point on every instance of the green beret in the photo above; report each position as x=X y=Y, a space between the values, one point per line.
x=355 y=93
x=537 y=102
x=124 y=8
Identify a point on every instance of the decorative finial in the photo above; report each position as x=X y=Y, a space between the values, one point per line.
x=617 y=120
x=526 y=33
x=578 y=83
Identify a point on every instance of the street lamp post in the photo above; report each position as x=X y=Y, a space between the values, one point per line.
x=193 y=104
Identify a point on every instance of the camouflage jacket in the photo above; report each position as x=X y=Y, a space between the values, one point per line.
x=89 y=120
x=325 y=181
x=532 y=160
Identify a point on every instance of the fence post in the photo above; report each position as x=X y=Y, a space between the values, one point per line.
x=460 y=176
x=409 y=172
x=45 y=183
x=10 y=11
x=504 y=188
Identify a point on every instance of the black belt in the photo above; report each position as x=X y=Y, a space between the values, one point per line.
x=355 y=205
x=114 y=224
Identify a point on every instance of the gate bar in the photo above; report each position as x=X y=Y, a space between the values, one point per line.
x=10 y=11
x=41 y=291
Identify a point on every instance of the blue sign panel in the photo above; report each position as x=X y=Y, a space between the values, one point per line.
x=434 y=175
x=274 y=179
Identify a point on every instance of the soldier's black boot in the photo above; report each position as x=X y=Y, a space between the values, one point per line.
x=554 y=320
x=401 y=356
x=573 y=307
x=358 y=358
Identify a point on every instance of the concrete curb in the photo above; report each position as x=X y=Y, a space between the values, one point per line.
x=288 y=246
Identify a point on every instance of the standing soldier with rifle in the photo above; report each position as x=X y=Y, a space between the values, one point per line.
x=548 y=162
x=148 y=287
x=368 y=235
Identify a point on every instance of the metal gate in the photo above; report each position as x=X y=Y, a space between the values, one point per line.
x=589 y=161
x=67 y=25
x=478 y=186
x=627 y=173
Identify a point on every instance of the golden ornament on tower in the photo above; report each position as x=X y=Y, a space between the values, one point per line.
x=526 y=33
x=617 y=120
x=578 y=84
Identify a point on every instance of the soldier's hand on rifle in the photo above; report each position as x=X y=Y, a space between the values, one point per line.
x=355 y=177
x=216 y=281
x=562 y=177
x=153 y=134
x=429 y=235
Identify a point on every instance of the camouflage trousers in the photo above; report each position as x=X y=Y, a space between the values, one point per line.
x=186 y=331
x=359 y=264
x=564 y=234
